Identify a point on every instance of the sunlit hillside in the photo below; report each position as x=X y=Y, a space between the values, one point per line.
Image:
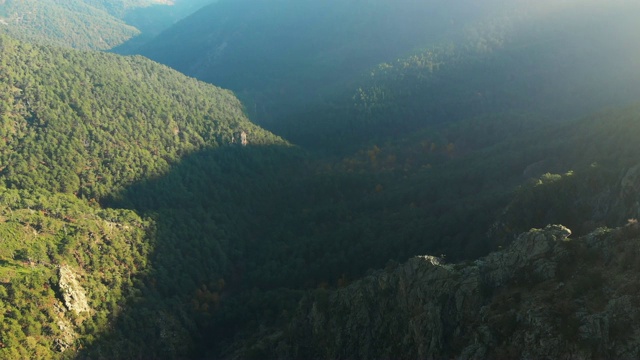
x=91 y=24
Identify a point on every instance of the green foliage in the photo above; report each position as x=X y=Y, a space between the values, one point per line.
x=42 y=231
x=90 y=24
x=283 y=55
x=88 y=125
x=271 y=221
x=222 y=239
x=91 y=123
x=339 y=76
x=69 y=23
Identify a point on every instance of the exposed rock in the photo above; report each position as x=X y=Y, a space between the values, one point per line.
x=72 y=293
x=544 y=296
x=67 y=335
x=243 y=138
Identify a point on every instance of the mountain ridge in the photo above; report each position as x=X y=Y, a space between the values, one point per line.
x=137 y=222
x=535 y=298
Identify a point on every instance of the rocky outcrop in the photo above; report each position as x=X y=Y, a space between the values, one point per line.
x=72 y=293
x=544 y=296
x=67 y=335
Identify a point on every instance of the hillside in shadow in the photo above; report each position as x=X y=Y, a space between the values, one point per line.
x=154 y=19
x=241 y=232
x=208 y=211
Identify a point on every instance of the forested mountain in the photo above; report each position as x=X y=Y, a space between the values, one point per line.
x=90 y=24
x=285 y=53
x=72 y=23
x=142 y=215
x=65 y=270
x=90 y=124
x=350 y=73
x=562 y=70
x=548 y=291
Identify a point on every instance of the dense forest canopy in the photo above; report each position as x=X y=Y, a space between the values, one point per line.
x=71 y=23
x=143 y=215
x=351 y=64
x=268 y=48
x=90 y=123
x=91 y=24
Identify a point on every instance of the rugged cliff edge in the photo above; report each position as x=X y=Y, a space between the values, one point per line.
x=545 y=296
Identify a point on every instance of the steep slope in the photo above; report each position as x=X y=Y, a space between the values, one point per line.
x=154 y=19
x=66 y=269
x=448 y=207
x=286 y=53
x=91 y=123
x=354 y=75
x=72 y=23
x=242 y=231
x=90 y=24
x=558 y=66
x=547 y=295
x=245 y=231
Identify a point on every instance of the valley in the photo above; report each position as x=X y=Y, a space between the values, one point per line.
x=319 y=180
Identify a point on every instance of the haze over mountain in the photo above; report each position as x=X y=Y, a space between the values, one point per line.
x=298 y=66
x=267 y=49
x=143 y=215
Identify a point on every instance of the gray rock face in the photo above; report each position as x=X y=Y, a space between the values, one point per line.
x=72 y=293
x=545 y=296
x=67 y=335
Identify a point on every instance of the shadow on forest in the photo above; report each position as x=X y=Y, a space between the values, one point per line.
x=241 y=232
x=210 y=212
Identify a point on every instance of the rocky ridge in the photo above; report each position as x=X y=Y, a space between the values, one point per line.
x=544 y=296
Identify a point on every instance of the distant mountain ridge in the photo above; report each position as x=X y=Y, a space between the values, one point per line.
x=352 y=72
x=273 y=53
x=84 y=24
x=72 y=23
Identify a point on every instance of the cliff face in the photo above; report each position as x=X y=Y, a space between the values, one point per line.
x=72 y=293
x=545 y=296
